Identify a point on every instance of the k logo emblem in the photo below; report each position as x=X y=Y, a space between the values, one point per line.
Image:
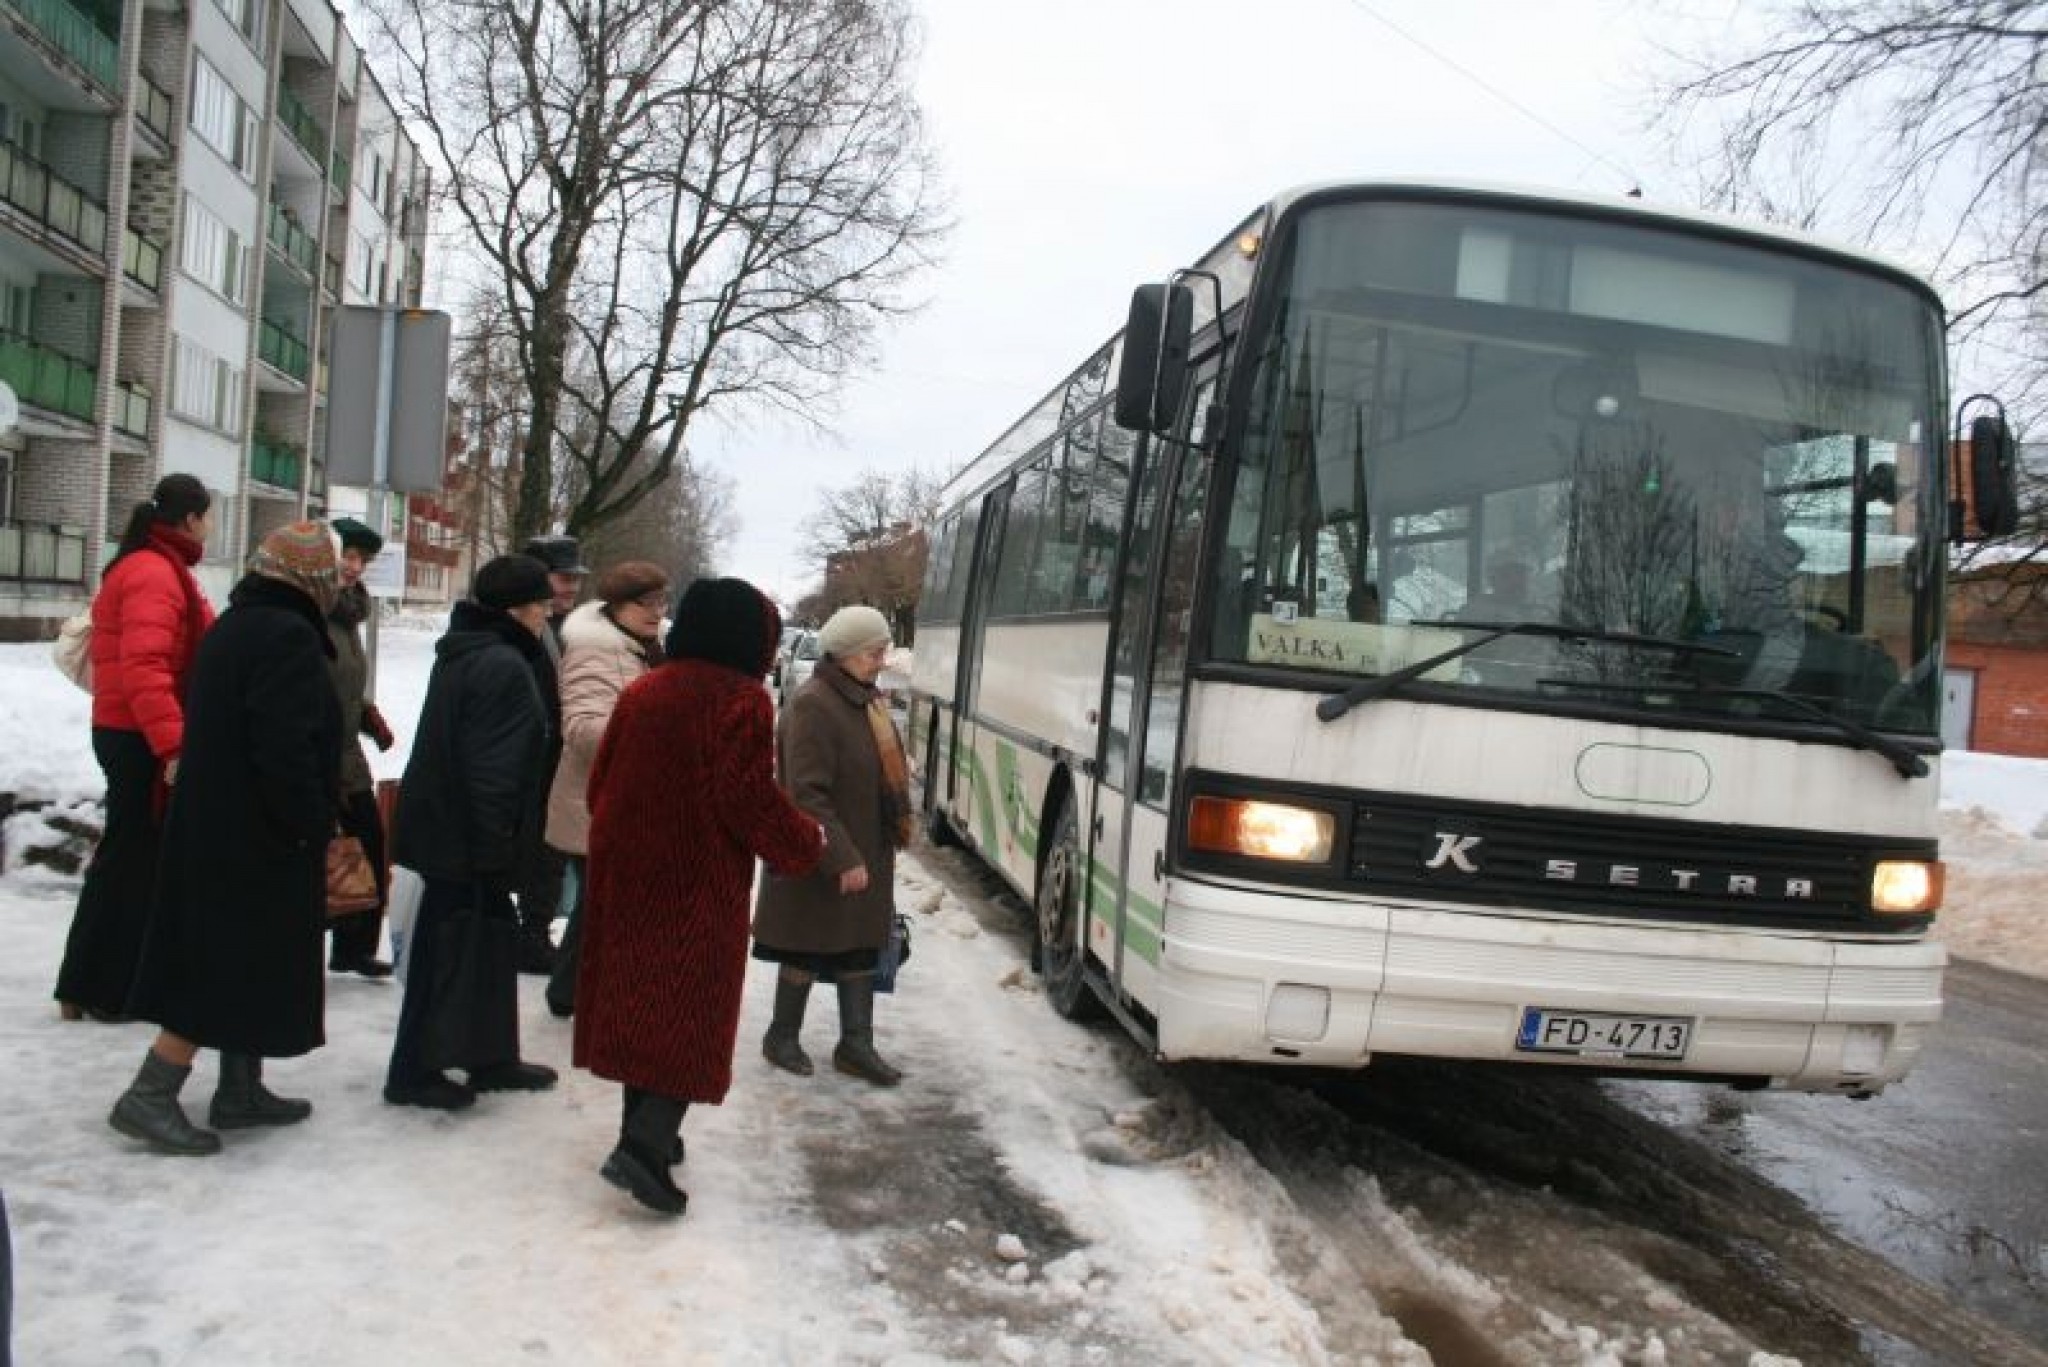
x=1455 y=851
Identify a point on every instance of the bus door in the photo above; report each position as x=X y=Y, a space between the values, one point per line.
x=958 y=798
x=1141 y=708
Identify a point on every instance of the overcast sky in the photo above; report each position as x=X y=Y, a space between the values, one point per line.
x=1091 y=145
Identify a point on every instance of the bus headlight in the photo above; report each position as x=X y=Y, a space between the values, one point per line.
x=1260 y=830
x=1906 y=887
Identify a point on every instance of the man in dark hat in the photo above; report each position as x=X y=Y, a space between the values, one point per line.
x=540 y=892
x=473 y=797
x=566 y=573
x=357 y=935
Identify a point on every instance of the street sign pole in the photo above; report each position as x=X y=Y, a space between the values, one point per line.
x=380 y=475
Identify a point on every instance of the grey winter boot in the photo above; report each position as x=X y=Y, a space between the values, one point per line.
x=856 y=1054
x=780 y=1046
x=242 y=1102
x=149 y=1111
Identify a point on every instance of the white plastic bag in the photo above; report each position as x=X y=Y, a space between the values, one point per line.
x=401 y=909
x=72 y=650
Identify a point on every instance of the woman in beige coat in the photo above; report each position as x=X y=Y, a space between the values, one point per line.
x=839 y=758
x=606 y=644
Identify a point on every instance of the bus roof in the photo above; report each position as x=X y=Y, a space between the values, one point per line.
x=1044 y=417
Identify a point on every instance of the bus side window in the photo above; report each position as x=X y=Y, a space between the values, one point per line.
x=1106 y=491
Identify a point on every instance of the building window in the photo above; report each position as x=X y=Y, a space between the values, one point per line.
x=205 y=389
x=247 y=17
x=214 y=254
x=221 y=119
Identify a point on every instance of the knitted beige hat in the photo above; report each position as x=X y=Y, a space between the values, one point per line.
x=851 y=630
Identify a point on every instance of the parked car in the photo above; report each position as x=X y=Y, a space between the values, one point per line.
x=790 y=636
x=801 y=659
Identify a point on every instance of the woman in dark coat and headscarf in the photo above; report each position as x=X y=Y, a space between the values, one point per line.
x=682 y=801
x=232 y=957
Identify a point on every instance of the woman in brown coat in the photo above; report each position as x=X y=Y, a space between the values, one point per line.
x=841 y=760
x=682 y=801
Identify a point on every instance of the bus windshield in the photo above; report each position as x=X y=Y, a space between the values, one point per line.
x=1450 y=416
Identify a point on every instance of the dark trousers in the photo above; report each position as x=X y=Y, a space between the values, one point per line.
x=540 y=891
x=105 y=943
x=562 y=983
x=358 y=935
x=440 y=900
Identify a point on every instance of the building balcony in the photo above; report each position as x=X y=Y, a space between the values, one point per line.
x=48 y=378
x=142 y=259
x=132 y=404
x=65 y=27
x=51 y=200
x=283 y=351
x=153 y=107
x=300 y=123
x=338 y=169
x=42 y=552
x=293 y=242
x=274 y=462
x=330 y=276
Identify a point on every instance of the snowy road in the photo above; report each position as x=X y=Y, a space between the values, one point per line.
x=1495 y=1215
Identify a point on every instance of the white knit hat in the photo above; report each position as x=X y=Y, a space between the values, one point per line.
x=851 y=630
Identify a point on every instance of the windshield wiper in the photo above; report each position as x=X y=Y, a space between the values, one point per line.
x=1379 y=686
x=1904 y=759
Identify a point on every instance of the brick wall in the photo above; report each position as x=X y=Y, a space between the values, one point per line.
x=2011 y=712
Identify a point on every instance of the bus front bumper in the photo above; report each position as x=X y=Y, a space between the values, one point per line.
x=1252 y=975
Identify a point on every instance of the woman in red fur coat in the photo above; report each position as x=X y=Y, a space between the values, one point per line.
x=682 y=801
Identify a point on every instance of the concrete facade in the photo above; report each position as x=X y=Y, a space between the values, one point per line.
x=169 y=275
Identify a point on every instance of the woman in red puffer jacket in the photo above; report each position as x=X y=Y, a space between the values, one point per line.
x=146 y=623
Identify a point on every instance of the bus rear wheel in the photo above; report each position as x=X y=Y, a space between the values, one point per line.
x=1060 y=954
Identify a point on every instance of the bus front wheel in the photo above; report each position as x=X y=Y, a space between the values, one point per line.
x=1060 y=954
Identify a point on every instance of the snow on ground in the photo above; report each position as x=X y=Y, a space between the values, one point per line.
x=1017 y=1200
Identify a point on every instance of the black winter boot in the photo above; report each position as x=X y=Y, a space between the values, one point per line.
x=781 y=1046
x=652 y=1129
x=242 y=1102
x=856 y=1054
x=149 y=1111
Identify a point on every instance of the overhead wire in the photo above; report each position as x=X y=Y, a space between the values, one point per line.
x=1634 y=181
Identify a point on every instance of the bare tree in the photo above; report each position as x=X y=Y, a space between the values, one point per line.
x=866 y=508
x=1943 y=107
x=681 y=204
x=684 y=525
x=871 y=542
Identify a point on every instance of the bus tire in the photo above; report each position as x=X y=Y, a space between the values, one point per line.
x=1059 y=953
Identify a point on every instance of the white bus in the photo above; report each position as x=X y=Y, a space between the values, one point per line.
x=1474 y=624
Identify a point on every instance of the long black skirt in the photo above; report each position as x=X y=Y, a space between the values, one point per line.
x=105 y=943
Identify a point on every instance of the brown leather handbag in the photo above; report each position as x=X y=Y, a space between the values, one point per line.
x=351 y=883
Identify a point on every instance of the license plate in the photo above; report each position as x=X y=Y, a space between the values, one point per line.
x=1598 y=1036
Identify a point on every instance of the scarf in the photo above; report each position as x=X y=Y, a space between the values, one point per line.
x=895 y=774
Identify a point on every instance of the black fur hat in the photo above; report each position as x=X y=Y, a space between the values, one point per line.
x=511 y=581
x=728 y=622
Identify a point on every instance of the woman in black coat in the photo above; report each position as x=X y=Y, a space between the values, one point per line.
x=232 y=956
x=469 y=817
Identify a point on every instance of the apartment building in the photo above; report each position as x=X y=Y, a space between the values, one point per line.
x=189 y=189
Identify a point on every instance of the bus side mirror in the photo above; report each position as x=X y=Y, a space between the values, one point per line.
x=1994 y=488
x=1153 y=375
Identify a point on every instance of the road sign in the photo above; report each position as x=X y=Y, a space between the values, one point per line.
x=387 y=398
